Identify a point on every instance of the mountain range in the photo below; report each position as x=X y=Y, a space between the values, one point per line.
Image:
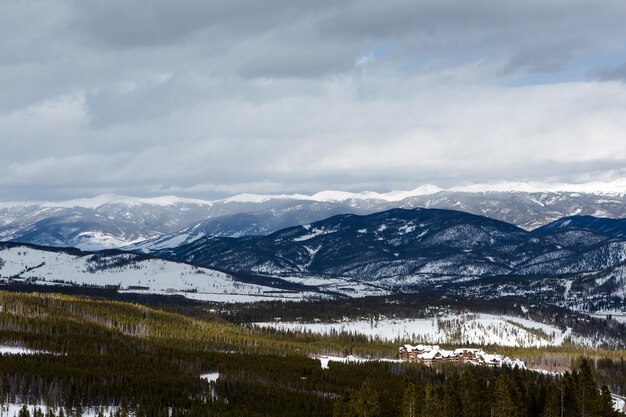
x=578 y=261
x=563 y=244
x=153 y=224
x=410 y=242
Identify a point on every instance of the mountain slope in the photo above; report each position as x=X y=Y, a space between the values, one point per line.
x=130 y=272
x=401 y=242
x=431 y=250
x=99 y=223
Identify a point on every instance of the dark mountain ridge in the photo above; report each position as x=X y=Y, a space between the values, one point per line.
x=607 y=226
x=400 y=242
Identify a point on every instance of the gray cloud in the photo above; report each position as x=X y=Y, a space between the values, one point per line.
x=207 y=98
x=617 y=73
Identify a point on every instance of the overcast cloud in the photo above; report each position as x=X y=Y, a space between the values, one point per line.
x=203 y=98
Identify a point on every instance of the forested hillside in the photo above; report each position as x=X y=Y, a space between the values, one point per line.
x=142 y=361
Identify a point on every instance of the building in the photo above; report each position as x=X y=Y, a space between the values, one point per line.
x=429 y=354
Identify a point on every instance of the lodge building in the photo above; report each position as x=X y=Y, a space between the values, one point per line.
x=429 y=354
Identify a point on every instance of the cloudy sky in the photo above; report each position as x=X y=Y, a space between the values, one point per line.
x=205 y=98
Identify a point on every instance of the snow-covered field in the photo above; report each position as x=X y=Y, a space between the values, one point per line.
x=13 y=350
x=476 y=329
x=325 y=360
x=346 y=286
x=615 y=315
x=618 y=403
x=12 y=410
x=155 y=276
x=210 y=377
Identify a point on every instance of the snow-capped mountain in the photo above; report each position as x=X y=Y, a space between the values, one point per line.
x=112 y=221
x=103 y=222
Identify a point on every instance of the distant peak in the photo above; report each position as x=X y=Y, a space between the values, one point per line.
x=617 y=187
x=335 y=196
x=395 y=195
x=260 y=198
x=104 y=199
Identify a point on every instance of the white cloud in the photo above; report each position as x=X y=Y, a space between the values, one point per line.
x=204 y=98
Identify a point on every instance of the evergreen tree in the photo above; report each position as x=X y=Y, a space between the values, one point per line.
x=78 y=412
x=569 y=395
x=502 y=405
x=552 y=400
x=452 y=405
x=590 y=402
x=432 y=406
x=606 y=409
x=470 y=392
x=409 y=401
x=365 y=403
x=341 y=407
x=24 y=412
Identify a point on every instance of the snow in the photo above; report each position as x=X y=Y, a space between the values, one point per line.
x=95 y=241
x=620 y=317
x=252 y=298
x=568 y=287
x=407 y=228
x=313 y=251
x=395 y=195
x=429 y=353
x=615 y=315
x=155 y=276
x=480 y=329
x=618 y=403
x=210 y=377
x=12 y=409
x=314 y=233
x=341 y=285
x=12 y=350
x=325 y=360
x=616 y=187
x=165 y=242
x=261 y=198
x=103 y=199
x=172 y=242
x=336 y=196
